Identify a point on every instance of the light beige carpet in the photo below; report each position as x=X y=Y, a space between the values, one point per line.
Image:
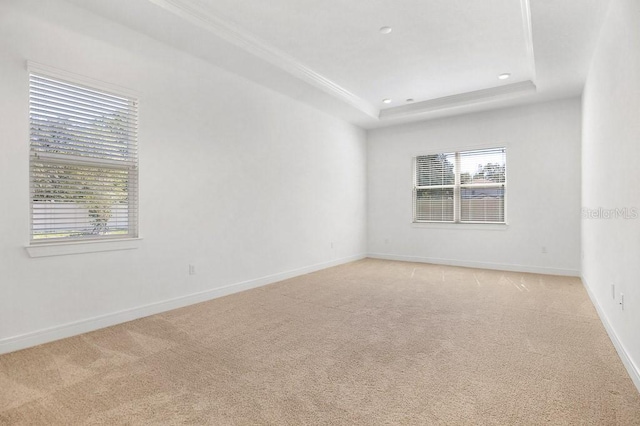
x=369 y=343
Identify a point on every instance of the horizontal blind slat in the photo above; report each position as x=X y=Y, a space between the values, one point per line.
x=56 y=95
x=45 y=127
x=41 y=103
x=61 y=117
x=46 y=137
x=70 y=149
x=83 y=92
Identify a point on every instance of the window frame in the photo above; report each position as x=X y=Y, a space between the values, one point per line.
x=457 y=187
x=38 y=247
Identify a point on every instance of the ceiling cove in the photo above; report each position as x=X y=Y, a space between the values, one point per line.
x=194 y=13
x=460 y=100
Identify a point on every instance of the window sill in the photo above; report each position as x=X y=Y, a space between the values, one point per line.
x=462 y=226
x=79 y=247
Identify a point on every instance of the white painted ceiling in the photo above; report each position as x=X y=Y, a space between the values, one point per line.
x=446 y=55
x=464 y=44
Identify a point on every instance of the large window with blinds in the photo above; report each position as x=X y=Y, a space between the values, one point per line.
x=83 y=162
x=461 y=187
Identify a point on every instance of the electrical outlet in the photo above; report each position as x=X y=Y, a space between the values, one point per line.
x=622 y=301
x=613 y=291
x=331 y=244
x=192 y=269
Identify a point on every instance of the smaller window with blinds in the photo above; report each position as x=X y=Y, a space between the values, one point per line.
x=83 y=162
x=461 y=187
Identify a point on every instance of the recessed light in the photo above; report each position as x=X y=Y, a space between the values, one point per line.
x=504 y=76
x=385 y=30
x=386 y=101
x=410 y=100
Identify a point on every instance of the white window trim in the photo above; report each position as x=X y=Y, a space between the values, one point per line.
x=471 y=226
x=37 y=249
x=80 y=247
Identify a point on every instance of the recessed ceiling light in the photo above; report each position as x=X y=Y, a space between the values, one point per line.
x=385 y=30
x=386 y=101
x=410 y=100
x=504 y=76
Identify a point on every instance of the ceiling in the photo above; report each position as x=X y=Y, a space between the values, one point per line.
x=442 y=57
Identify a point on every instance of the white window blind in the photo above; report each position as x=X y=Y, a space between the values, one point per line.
x=461 y=187
x=83 y=163
x=435 y=187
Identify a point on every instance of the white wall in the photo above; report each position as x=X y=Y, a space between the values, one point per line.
x=610 y=176
x=248 y=185
x=543 y=194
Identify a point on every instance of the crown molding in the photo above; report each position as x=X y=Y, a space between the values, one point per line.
x=460 y=100
x=197 y=15
x=528 y=37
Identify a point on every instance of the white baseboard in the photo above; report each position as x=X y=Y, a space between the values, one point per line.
x=481 y=265
x=14 y=343
x=632 y=369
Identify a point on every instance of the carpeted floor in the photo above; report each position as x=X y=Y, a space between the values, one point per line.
x=368 y=343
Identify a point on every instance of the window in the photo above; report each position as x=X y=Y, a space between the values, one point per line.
x=461 y=187
x=83 y=162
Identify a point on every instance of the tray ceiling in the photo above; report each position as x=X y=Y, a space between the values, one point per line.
x=441 y=57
